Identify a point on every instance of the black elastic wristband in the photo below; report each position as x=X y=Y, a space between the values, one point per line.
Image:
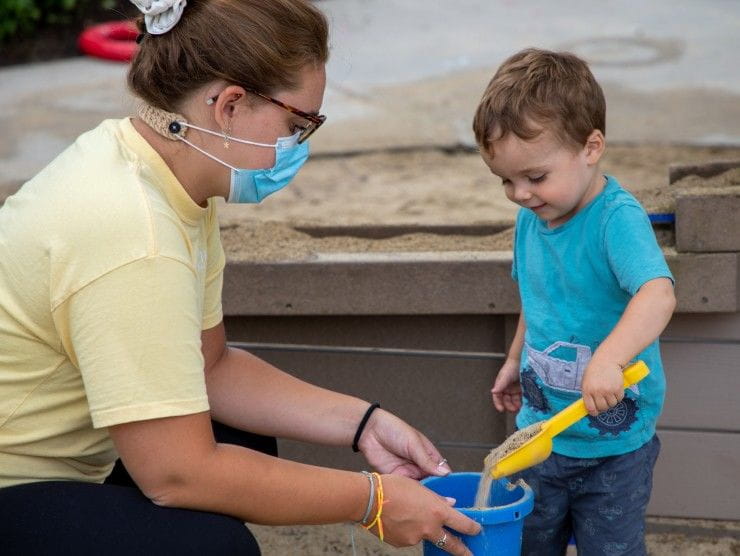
x=361 y=426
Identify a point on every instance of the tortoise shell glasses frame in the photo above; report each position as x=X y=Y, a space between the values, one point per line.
x=314 y=120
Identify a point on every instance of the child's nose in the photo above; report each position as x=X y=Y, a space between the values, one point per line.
x=522 y=193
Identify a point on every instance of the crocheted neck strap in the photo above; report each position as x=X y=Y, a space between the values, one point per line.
x=167 y=124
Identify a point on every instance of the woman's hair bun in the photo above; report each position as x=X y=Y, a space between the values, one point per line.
x=160 y=15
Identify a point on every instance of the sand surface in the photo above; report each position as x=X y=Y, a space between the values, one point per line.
x=425 y=199
x=711 y=540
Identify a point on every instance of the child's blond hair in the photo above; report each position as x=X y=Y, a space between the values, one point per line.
x=536 y=89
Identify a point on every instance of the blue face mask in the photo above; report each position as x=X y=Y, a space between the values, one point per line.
x=252 y=185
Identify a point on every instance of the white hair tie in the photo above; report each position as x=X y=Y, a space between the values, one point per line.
x=160 y=15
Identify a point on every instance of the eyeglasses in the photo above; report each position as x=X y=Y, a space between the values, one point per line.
x=314 y=120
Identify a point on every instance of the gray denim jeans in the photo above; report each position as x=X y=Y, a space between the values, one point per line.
x=600 y=501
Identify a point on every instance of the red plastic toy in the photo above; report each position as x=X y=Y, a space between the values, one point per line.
x=115 y=40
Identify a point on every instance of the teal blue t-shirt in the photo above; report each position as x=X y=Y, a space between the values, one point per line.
x=575 y=282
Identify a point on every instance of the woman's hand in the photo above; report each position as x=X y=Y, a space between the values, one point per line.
x=507 y=390
x=602 y=386
x=412 y=513
x=391 y=445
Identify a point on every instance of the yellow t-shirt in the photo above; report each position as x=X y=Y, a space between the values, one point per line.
x=108 y=274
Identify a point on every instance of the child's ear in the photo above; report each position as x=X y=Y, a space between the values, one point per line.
x=595 y=146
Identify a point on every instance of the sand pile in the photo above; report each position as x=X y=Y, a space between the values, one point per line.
x=663 y=199
x=428 y=190
x=274 y=241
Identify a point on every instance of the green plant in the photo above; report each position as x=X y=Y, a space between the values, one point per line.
x=23 y=17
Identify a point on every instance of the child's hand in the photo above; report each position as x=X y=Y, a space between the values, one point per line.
x=507 y=391
x=602 y=386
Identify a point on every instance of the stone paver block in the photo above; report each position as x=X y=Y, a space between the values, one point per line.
x=374 y=284
x=454 y=283
x=708 y=220
x=706 y=282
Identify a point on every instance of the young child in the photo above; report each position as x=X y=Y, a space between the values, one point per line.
x=596 y=293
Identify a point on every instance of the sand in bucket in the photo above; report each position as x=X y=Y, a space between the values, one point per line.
x=499 y=506
x=514 y=441
x=501 y=523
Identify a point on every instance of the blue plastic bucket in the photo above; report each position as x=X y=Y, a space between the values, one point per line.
x=502 y=523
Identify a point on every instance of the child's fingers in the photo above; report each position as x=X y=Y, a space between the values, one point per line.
x=497 y=400
x=590 y=404
x=513 y=402
x=612 y=400
x=505 y=401
x=604 y=402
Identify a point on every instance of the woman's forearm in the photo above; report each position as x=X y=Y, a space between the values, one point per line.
x=176 y=463
x=248 y=393
x=285 y=493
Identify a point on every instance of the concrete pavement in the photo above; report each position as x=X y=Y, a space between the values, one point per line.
x=408 y=73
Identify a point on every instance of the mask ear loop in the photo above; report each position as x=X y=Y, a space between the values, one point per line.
x=175 y=128
x=236 y=139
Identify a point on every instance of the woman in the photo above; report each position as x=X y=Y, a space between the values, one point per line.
x=111 y=323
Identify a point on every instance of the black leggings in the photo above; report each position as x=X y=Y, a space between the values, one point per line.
x=76 y=518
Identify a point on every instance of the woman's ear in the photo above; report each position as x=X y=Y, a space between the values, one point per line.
x=595 y=146
x=224 y=104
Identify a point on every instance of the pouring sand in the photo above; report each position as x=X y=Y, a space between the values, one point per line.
x=512 y=443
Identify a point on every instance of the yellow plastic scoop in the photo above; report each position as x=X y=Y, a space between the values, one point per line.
x=533 y=444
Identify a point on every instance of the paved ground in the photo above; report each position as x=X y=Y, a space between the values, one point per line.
x=408 y=74
x=667 y=538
